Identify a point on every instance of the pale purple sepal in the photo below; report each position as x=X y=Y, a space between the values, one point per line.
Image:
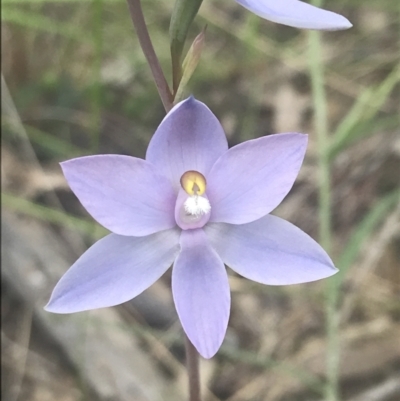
x=189 y=138
x=114 y=270
x=296 y=14
x=125 y=194
x=201 y=292
x=251 y=179
x=270 y=251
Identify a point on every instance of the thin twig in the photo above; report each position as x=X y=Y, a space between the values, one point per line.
x=135 y=10
x=192 y=363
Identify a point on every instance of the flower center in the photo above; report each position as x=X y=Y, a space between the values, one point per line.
x=192 y=208
x=194 y=184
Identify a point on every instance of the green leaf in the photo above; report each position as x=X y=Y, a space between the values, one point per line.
x=50 y=215
x=39 y=22
x=364 y=230
x=56 y=147
x=358 y=121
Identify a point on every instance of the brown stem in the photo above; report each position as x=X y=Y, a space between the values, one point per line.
x=192 y=364
x=135 y=10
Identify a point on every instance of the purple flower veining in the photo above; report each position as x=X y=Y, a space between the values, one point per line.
x=195 y=204
x=297 y=14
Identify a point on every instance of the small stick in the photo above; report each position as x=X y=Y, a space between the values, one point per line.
x=192 y=364
x=136 y=12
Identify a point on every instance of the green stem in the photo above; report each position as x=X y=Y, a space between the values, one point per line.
x=321 y=125
x=136 y=12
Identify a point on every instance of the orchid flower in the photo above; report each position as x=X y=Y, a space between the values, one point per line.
x=297 y=14
x=195 y=204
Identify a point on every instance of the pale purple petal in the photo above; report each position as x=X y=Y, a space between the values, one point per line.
x=114 y=270
x=297 y=14
x=270 y=251
x=251 y=179
x=125 y=194
x=189 y=138
x=201 y=292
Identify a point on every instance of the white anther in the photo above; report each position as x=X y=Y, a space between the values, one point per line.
x=197 y=206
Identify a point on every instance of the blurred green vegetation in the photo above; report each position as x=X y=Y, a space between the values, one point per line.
x=75 y=71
